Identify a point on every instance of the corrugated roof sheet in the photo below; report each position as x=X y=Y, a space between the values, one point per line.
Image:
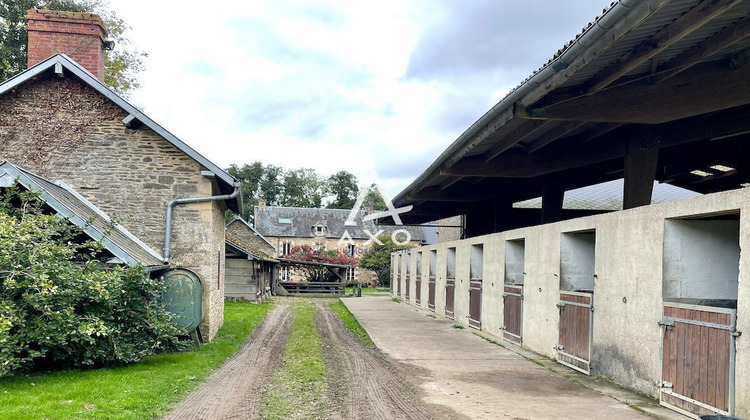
x=93 y=221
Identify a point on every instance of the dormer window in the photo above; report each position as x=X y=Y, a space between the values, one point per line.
x=319 y=230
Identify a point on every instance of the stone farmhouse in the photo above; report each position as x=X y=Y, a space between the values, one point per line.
x=655 y=296
x=286 y=227
x=59 y=121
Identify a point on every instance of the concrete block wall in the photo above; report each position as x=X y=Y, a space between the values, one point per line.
x=629 y=259
x=64 y=130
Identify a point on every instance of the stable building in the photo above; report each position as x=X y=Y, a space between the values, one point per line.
x=655 y=296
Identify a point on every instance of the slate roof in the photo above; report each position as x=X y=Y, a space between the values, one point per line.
x=238 y=245
x=298 y=222
x=246 y=225
x=94 y=222
x=60 y=63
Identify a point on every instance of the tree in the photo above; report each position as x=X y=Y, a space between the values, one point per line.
x=343 y=186
x=373 y=199
x=302 y=188
x=314 y=273
x=258 y=182
x=61 y=305
x=121 y=64
x=378 y=258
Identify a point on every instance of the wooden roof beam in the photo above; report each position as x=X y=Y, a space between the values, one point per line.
x=682 y=26
x=452 y=180
x=552 y=135
x=506 y=142
x=598 y=131
x=706 y=88
x=709 y=47
x=726 y=124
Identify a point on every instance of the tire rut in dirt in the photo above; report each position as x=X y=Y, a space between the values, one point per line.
x=233 y=392
x=362 y=383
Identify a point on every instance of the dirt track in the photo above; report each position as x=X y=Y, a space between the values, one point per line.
x=234 y=391
x=361 y=383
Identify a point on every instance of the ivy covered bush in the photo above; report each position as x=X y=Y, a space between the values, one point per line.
x=60 y=306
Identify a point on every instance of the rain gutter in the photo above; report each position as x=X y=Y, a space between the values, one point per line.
x=178 y=201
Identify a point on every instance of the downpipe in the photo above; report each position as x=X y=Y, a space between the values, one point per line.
x=178 y=201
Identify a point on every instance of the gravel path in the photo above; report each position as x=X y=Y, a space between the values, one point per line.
x=362 y=383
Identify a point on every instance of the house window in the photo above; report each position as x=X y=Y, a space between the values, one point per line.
x=286 y=248
x=351 y=274
x=285 y=273
x=319 y=230
x=319 y=246
x=351 y=249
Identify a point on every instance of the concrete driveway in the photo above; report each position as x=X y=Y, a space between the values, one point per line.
x=481 y=380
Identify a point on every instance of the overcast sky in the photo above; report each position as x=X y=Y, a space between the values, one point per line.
x=378 y=89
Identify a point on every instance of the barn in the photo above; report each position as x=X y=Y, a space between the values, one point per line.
x=653 y=295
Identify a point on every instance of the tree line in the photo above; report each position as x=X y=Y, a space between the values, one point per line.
x=302 y=187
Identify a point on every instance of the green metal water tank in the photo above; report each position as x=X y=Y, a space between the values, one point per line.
x=183 y=296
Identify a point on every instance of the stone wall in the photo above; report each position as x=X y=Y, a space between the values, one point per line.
x=64 y=130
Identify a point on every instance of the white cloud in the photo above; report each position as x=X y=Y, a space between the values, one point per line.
x=378 y=89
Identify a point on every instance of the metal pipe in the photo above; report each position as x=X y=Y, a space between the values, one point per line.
x=176 y=201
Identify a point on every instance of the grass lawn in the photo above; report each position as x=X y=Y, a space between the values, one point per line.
x=369 y=290
x=139 y=391
x=351 y=323
x=297 y=389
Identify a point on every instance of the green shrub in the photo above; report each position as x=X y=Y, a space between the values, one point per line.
x=60 y=306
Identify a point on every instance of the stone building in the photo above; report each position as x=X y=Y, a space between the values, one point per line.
x=58 y=120
x=286 y=227
x=251 y=266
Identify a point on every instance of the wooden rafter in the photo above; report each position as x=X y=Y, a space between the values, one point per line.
x=693 y=19
x=513 y=138
x=729 y=123
x=598 y=131
x=452 y=180
x=552 y=135
x=711 y=46
x=481 y=135
x=706 y=88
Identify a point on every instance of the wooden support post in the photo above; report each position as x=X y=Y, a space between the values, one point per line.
x=640 y=172
x=552 y=202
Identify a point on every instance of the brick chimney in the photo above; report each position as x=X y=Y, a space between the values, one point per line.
x=80 y=36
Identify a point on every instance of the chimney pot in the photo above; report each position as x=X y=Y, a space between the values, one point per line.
x=261 y=205
x=80 y=36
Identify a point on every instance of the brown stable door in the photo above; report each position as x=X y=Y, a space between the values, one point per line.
x=576 y=319
x=513 y=314
x=475 y=304
x=431 y=294
x=698 y=359
x=450 y=290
